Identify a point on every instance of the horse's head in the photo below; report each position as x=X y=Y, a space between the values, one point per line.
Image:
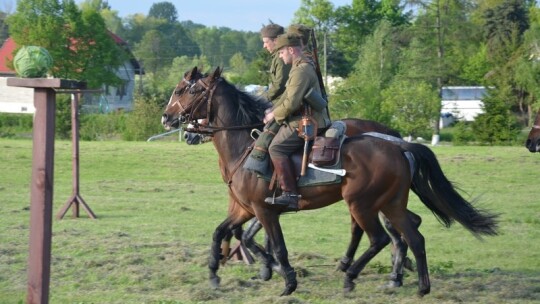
x=533 y=140
x=189 y=98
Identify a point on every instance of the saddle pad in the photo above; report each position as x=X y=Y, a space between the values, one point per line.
x=312 y=178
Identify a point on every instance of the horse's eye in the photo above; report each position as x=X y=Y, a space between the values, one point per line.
x=179 y=91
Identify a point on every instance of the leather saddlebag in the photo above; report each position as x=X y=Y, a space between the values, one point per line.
x=325 y=151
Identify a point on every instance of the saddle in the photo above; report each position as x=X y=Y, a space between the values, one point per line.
x=324 y=154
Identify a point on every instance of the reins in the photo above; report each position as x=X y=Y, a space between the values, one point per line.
x=208 y=129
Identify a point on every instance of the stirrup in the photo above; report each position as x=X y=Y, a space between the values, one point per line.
x=288 y=199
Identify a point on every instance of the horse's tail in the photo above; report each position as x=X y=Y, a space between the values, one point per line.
x=442 y=198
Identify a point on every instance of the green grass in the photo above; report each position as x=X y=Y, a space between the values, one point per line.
x=158 y=204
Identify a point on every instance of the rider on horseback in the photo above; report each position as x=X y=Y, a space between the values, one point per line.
x=288 y=112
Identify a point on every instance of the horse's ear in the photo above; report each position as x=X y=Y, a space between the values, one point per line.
x=217 y=73
x=193 y=72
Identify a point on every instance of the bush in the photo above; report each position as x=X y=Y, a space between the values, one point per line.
x=63 y=116
x=14 y=125
x=144 y=121
x=102 y=126
x=463 y=134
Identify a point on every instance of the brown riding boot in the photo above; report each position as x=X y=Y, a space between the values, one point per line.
x=285 y=176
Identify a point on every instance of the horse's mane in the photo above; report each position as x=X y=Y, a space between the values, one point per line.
x=250 y=108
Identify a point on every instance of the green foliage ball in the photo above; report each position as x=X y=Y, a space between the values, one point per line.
x=32 y=62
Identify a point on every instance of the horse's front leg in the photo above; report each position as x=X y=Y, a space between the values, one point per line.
x=263 y=254
x=222 y=231
x=277 y=241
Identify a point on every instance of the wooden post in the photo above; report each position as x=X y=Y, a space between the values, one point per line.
x=76 y=199
x=241 y=253
x=41 y=187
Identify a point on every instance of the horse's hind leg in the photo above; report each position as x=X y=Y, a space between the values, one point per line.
x=263 y=254
x=409 y=230
x=356 y=236
x=399 y=249
x=378 y=240
x=398 y=254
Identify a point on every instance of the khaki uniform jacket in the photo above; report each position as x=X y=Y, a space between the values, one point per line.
x=279 y=73
x=289 y=108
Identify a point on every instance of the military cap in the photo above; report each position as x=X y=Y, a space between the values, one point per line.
x=301 y=30
x=287 y=39
x=272 y=30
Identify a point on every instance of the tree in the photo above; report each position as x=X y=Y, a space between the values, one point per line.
x=320 y=15
x=413 y=106
x=92 y=55
x=476 y=67
x=164 y=10
x=504 y=29
x=360 y=94
x=154 y=51
x=97 y=5
x=209 y=41
x=3 y=27
x=231 y=42
x=497 y=125
x=358 y=20
x=238 y=64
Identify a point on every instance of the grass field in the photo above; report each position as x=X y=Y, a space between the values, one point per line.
x=158 y=204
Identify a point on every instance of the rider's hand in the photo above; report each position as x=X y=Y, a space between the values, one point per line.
x=268 y=117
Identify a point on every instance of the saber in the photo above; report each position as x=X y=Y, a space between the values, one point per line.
x=340 y=172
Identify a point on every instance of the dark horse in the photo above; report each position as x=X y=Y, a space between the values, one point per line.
x=377 y=180
x=199 y=133
x=533 y=140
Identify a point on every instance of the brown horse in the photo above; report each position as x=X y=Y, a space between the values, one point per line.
x=533 y=140
x=199 y=133
x=377 y=180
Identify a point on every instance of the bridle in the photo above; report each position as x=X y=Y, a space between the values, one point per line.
x=207 y=96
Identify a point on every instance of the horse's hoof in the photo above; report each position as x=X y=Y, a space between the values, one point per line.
x=265 y=273
x=393 y=284
x=422 y=292
x=289 y=289
x=348 y=286
x=344 y=264
x=214 y=282
x=343 y=267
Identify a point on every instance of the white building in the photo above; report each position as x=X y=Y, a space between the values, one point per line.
x=464 y=103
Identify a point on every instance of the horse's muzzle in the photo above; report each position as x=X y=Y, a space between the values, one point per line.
x=192 y=138
x=168 y=122
x=533 y=145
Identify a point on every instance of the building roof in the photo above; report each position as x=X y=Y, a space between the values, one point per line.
x=6 y=54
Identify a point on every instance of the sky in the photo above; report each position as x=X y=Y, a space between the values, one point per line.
x=242 y=15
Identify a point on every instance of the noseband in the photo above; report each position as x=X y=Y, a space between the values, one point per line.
x=207 y=97
x=197 y=103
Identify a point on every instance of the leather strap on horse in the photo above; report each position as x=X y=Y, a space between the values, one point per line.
x=239 y=163
x=209 y=130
